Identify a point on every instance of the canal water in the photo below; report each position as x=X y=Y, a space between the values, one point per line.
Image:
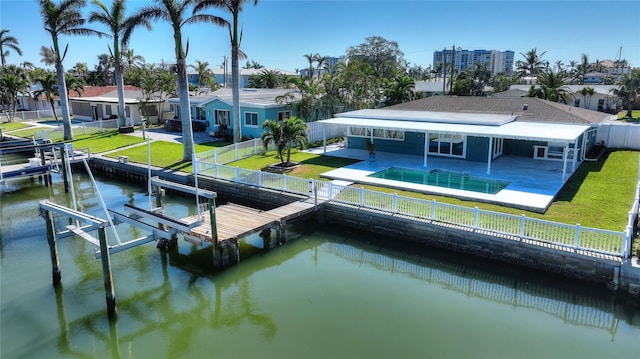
x=328 y=293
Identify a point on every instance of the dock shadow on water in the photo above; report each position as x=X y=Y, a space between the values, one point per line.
x=328 y=292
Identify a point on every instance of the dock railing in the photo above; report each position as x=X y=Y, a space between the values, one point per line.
x=522 y=228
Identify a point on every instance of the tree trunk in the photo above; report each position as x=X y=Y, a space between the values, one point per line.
x=122 y=118
x=235 y=74
x=64 y=102
x=185 y=110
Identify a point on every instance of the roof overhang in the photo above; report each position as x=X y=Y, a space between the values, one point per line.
x=512 y=130
x=112 y=100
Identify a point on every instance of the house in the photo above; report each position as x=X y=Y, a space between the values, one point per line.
x=602 y=98
x=477 y=129
x=223 y=77
x=256 y=106
x=101 y=103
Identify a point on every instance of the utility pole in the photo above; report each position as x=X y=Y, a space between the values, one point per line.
x=444 y=71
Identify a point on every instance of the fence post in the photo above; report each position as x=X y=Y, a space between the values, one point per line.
x=217 y=171
x=626 y=242
x=523 y=218
x=215 y=156
x=284 y=182
x=84 y=130
x=311 y=185
x=394 y=206
x=235 y=145
x=259 y=179
x=237 y=174
x=361 y=196
x=577 y=239
x=475 y=217
x=330 y=190
x=433 y=209
x=255 y=146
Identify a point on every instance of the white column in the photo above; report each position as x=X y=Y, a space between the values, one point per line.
x=564 y=162
x=426 y=147
x=324 y=139
x=575 y=156
x=489 y=155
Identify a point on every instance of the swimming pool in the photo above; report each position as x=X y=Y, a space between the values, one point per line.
x=442 y=178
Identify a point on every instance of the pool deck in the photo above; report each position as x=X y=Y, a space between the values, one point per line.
x=533 y=183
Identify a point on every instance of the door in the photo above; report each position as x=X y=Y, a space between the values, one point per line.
x=497 y=147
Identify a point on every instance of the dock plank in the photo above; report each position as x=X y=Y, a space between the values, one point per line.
x=236 y=221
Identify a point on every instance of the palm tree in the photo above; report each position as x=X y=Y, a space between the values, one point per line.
x=64 y=19
x=121 y=28
x=401 y=89
x=629 y=90
x=266 y=79
x=10 y=42
x=552 y=87
x=587 y=92
x=202 y=68
x=284 y=135
x=13 y=80
x=532 y=64
x=49 y=87
x=174 y=12
x=234 y=7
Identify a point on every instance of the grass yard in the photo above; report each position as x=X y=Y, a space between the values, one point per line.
x=635 y=116
x=165 y=154
x=105 y=141
x=11 y=126
x=598 y=195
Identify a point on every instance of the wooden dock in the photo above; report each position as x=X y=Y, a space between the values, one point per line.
x=234 y=221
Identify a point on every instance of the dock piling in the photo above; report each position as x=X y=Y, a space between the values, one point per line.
x=53 y=249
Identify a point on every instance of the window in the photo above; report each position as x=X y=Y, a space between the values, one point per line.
x=576 y=103
x=251 y=119
x=283 y=115
x=107 y=110
x=377 y=133
x=600 y=104
x=222 y=117
x=127 y=111
x=447 y=145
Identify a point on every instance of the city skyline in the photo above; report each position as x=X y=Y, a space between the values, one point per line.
x=278 y=33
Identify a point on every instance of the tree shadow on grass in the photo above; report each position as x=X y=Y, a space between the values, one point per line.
x=571 y=188
x=178 y=166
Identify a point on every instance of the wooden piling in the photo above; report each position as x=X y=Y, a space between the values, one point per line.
x=106 y=272
x=65 y=178
x=53 y=249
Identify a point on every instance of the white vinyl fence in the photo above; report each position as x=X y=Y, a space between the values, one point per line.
x=523 y=228
x=316 y=131
x=56 y=133
x=620 y=135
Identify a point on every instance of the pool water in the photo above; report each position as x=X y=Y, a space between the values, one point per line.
x=441 y=178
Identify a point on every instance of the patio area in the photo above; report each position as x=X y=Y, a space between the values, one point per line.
x=533 y=184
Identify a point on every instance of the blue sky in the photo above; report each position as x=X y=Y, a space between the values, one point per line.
x=278 y=33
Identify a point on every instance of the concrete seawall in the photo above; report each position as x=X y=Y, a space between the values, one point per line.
x=608 y=271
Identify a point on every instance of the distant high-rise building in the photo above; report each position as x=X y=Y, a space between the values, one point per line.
x=496 y=61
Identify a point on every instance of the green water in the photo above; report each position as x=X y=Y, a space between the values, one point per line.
x=441 y=178
x=328 y=293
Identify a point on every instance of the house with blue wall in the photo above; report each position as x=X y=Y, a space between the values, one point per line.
x=478 y=129
x=256 y=106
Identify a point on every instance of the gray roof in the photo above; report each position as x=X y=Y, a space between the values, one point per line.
x=537 y=110
x=251 y=97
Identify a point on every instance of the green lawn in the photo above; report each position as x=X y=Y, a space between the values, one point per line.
x=10 y=126
x=635 y=116
x=105 y=141
x=598 y=195
x=165 y=154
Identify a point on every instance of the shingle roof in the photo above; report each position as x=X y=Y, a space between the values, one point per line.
x=101 y=91
x=537 y=110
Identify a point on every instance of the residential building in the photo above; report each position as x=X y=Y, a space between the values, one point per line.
x=256 y=106
x=497 y=61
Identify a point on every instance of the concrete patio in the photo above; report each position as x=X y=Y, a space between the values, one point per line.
x=533 y=183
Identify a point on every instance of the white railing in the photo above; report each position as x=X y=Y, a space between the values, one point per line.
x=520 y=228
x=234 y=152
x=57 y=133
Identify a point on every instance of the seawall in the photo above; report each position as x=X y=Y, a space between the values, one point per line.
x=605 y=270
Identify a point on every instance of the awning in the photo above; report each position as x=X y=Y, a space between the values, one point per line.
x=512 y=130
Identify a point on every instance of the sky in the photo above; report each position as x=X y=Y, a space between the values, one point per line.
x=278 y=33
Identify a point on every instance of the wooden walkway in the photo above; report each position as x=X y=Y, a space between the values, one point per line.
x=234 y=221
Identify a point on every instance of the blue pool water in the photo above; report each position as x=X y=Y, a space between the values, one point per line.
x=441 y=178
